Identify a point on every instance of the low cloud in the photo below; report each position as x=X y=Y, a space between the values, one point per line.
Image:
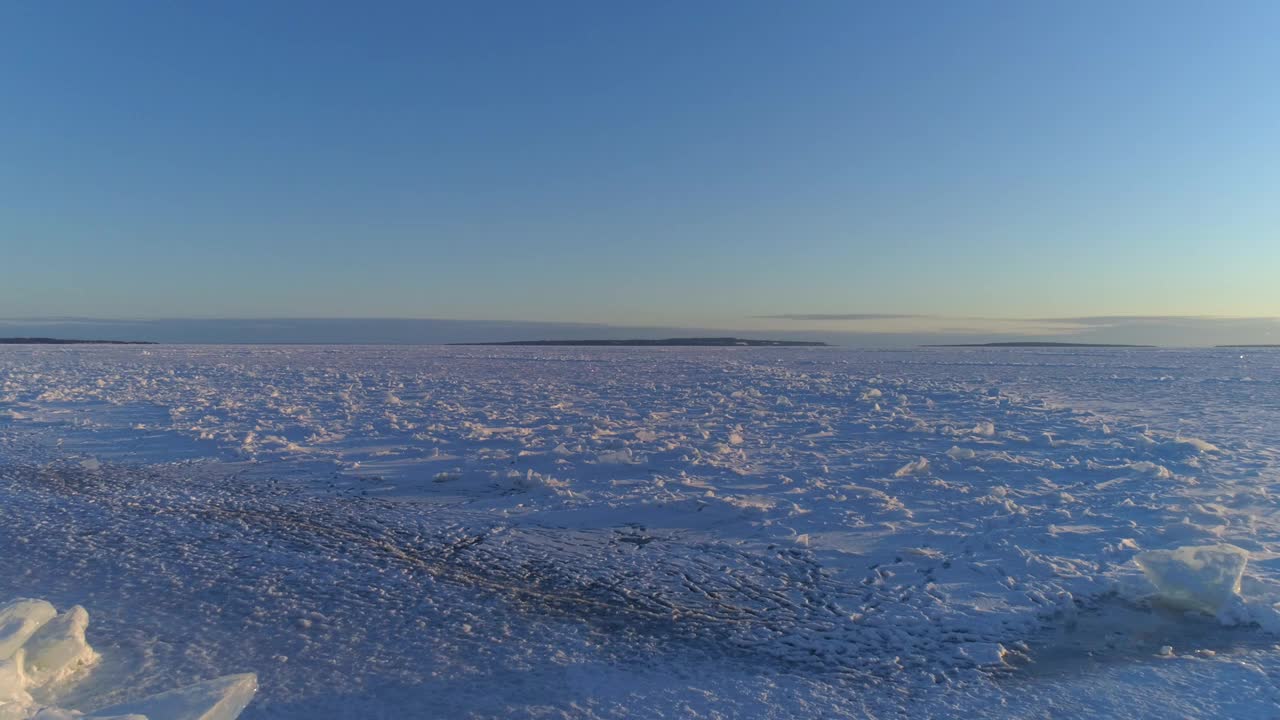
x=1109 y=320
x=838 y=316
x=1164 y=330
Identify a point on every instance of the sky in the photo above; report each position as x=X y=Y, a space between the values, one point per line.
x=875 y=168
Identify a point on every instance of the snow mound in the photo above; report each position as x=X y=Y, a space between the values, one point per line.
x=1196 y=577
x=41 y=648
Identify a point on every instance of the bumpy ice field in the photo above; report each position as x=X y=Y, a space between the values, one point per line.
x=566 y=532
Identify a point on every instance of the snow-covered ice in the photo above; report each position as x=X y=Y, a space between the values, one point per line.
x=572 y=532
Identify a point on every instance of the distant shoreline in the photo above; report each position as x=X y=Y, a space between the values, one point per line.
x=634 y=342
x=1031 y=344
x=667 y=342
x=66 y=341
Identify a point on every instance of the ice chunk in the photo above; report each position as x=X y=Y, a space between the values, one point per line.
x=218 y=699
x=983 y=654
x=1150 y=468
x=622 y=456
x=58 y=714
x=18 y=620
x=13 y=682
x=1195 y=577
x=1199 y=445
x=58 y=648
x=51 y=713
x=912 y=468
x=13 y=711
x=984 y=429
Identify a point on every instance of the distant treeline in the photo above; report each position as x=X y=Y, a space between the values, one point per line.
x=66 y=341
x=1041 y=344
x=668 y=342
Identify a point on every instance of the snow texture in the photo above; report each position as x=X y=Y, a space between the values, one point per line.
x=607 y=533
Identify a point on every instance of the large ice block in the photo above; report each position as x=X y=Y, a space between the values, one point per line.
x=19 y=620
x=58 y=648
x=217 y=699
x=1195 y=577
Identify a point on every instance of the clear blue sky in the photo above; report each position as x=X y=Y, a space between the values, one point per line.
x=649 y=163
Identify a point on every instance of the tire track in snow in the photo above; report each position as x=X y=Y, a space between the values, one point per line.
x=777 y=612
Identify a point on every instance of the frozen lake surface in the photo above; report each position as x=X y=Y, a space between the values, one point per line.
x=618 y=532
